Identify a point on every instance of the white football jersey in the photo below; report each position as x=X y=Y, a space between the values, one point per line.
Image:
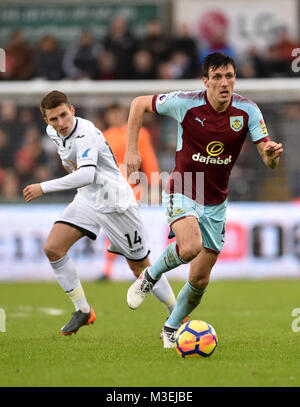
x=86 y=146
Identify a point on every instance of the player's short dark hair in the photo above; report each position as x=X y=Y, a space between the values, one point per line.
x=52 y=100
x=216 y=60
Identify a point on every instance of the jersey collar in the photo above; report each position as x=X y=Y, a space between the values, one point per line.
x=214 y=110
x=64 y=139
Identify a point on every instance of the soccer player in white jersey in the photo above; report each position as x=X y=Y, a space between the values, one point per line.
x=212 y=127
x=104 y=200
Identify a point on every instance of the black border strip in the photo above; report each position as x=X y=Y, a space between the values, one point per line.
x=88 y=165
x=121 y=254
x=86 y=232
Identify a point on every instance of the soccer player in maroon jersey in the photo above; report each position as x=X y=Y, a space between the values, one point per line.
x=212 y=127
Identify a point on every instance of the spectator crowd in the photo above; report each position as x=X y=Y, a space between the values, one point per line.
x=155 y=55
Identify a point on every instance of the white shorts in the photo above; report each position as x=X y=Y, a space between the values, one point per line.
x=124 y=230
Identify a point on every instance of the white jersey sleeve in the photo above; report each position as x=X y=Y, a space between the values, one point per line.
x=77 y=179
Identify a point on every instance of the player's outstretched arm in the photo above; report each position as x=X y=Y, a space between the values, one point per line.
x=270 y=153
x=77 y=179
x=138 y=107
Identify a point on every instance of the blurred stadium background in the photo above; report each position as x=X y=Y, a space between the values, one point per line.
x=104 y=53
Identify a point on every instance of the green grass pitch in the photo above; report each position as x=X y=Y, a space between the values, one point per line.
x=253 y=320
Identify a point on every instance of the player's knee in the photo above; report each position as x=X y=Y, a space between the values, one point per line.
x=189 y=252
x=200 y=282
x=53 y=252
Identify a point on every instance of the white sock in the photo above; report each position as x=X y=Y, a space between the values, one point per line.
x=77 y=296
x=67 y=277
x=164 y=293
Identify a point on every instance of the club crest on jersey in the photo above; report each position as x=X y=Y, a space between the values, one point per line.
x=236 y=122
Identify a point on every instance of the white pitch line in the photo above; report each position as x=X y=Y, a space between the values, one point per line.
x=51 y=311
x=25 y=311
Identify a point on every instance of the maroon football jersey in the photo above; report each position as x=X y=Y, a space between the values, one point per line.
x=208 y=142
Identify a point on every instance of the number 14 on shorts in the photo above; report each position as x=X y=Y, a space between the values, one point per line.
x=136 y=239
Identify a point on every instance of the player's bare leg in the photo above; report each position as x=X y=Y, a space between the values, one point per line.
x=60 y=239
x=188 y=238
x=138 y=266
x=200 y=268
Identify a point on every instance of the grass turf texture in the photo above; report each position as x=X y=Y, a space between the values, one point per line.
x=253 y=320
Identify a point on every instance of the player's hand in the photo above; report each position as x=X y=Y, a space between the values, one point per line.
x=272 y=149
x=133 y=162
x=32 y=191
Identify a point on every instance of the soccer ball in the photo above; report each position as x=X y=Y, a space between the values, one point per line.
x=196 y=339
